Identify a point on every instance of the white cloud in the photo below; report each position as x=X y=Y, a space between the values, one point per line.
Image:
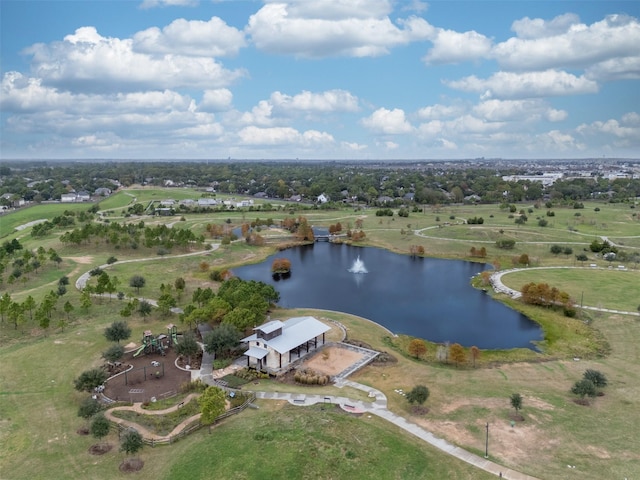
x=327 y=101
x=217 y=100
x=526 y=85
x=528 y=28
x=454 y=47
x=563 y=43
x=86 y=61
x=168 y=3
x=517 y=110
x=255 y=136
x=353 y=146
x=388 y=121
x=439 y=111
x=627 y=68
x=329 y=28
x=624 y=133
x=213 y=38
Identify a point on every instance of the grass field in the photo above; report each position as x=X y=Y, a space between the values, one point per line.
x=38 y=405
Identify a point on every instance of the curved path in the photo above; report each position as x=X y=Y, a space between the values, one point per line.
x=499 y=287
x=137 y=407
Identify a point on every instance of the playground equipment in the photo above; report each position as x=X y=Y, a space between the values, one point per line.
x=172 y=332
x=151 y=344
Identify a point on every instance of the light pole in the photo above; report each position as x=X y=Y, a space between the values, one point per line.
x=486 y=445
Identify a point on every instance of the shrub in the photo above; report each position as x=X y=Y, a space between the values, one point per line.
x=506 y=243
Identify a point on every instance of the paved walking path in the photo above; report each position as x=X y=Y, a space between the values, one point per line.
x=137 y=407
x=378 y=407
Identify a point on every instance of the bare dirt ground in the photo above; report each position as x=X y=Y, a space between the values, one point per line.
x=523 y=440
x=332 y=360
x=85 y=260
x=153 y=386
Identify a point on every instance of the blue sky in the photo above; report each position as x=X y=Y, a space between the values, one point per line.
x=321 y=79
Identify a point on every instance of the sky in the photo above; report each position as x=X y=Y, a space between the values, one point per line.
x=319 y=79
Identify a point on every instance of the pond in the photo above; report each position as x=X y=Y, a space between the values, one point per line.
x=423 y=297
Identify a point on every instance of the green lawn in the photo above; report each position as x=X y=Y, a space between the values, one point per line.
x=38 y=404
x=595 y=287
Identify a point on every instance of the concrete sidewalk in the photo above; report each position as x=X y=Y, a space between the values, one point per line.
x=378 y=407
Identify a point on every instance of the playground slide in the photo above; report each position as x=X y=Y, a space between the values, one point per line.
x=174 y=338
x=139 y=351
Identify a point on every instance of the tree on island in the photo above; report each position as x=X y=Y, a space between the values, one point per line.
x=281 y=266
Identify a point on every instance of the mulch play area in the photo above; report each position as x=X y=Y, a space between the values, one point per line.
x=152 y=375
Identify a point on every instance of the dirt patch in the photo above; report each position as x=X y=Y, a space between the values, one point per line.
x=145 y=380
x=82 y=431
x=131 y=465
x=100 y=448
x=85 y=260
x=332 y=360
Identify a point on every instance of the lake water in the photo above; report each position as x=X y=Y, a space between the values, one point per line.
x=423 y=297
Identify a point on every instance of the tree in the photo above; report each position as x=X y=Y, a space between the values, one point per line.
x=68 y=308
x=118 y=330
x=113 y=353
x=222 y=339
x=418 y=394
x=475 y=354
x=88 y=408
x=596 y=377
x=584 y=388
x=581 y=257
x=144 y=309
x=212 y=404
x=100 y=426
x=165 y=303
x=555 y=249
x=417 y=347
x=137 y=282
x=516 y=401
x=131 y=442
x=180 y=285
x=457 y=353
x=90 y=379
x=188 y=346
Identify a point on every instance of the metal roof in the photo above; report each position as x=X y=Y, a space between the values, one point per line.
x=270 y=326
x=295 y=332
x=256 y=352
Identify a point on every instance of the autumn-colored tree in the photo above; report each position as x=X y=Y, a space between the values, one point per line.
x=456 y=352
x=281 y=265
x=417 y=347
x=359 y=223
x=475 y=354
x=204 y=266
x=416 y=250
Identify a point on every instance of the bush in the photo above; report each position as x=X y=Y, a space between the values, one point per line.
x=506 y=244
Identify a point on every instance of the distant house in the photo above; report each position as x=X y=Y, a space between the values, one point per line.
x=102 y=192
x=322 y=198
x=207 y=202
x=276 y=344
x=68 y=197
x=83 y=196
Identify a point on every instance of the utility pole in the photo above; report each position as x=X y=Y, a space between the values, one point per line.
x=486 y=445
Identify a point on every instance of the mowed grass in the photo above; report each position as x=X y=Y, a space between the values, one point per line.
x=285 y=441
x=38 y=404
x=595 y=287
